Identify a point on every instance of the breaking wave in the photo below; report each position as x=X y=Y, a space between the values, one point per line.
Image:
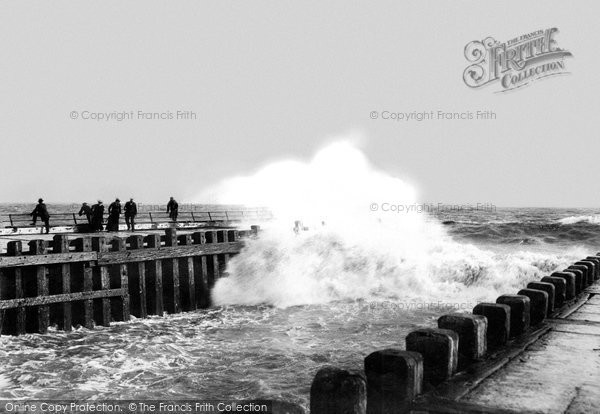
x=595 y=219
x=346 y=249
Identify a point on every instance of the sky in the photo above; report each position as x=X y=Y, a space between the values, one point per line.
x=269 y=81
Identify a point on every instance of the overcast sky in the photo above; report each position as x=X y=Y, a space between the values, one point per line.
x=271 y=80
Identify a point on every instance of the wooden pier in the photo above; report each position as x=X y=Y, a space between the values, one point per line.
x=11 y=224
x=94 y=280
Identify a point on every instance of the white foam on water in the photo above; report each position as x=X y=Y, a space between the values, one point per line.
x=352 y=252
x=595 y=219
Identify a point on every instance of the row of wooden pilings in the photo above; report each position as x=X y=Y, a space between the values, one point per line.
x=394 y=377
x=88 y=281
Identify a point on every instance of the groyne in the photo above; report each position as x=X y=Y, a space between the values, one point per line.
x=94 y=280
x=436 y=368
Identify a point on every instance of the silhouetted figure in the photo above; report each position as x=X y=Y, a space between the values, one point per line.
x=97 y=216
x=86 y=211
x=114 y=211
x=130 y=213
x=173 y=209
x=40 y=211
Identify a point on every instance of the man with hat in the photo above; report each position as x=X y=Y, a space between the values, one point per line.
x=114 y=211
x=97 y=216
x=130 y=213
x=42 y=212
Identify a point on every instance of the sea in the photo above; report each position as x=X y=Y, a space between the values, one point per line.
x=295 y=301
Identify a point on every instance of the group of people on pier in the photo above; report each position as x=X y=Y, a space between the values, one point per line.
x=95 y=214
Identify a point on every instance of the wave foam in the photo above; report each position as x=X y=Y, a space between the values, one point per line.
x=357 y=253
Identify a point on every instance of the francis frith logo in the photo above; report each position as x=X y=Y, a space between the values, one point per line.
x=514 y=63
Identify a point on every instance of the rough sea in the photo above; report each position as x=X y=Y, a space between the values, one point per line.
x=292 y=304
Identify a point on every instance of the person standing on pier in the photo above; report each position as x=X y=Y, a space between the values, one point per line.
x=130 y=213
x=87 y=211
x=173 y=209
x=114 y=211
x=42 y=212
x=97 y=216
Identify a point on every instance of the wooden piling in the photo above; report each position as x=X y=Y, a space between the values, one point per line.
x=154 y=284
x=91 y=280
x=136 y=273
x=201 y=273
x=215 y=261
x=83 y=312
x=171 y=295
x=580 y=283
x=40 y=247
x=187 y=285
x=15 y=320
x=60 y=244
x=102 y=313
x=119 y=279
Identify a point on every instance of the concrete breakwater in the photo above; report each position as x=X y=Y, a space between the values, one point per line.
x=94 y=280
x=437 y=367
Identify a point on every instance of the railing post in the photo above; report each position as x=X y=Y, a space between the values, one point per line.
x=11 y=220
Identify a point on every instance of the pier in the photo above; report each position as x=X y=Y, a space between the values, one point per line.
x=93 y=280
x=534 y=351
x=71 y=222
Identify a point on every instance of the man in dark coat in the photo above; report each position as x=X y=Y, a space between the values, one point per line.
x=42 y=212
x=130 y=213
x=87 y=211
x=97 y=216
x=114 y=211
x=173 y=209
